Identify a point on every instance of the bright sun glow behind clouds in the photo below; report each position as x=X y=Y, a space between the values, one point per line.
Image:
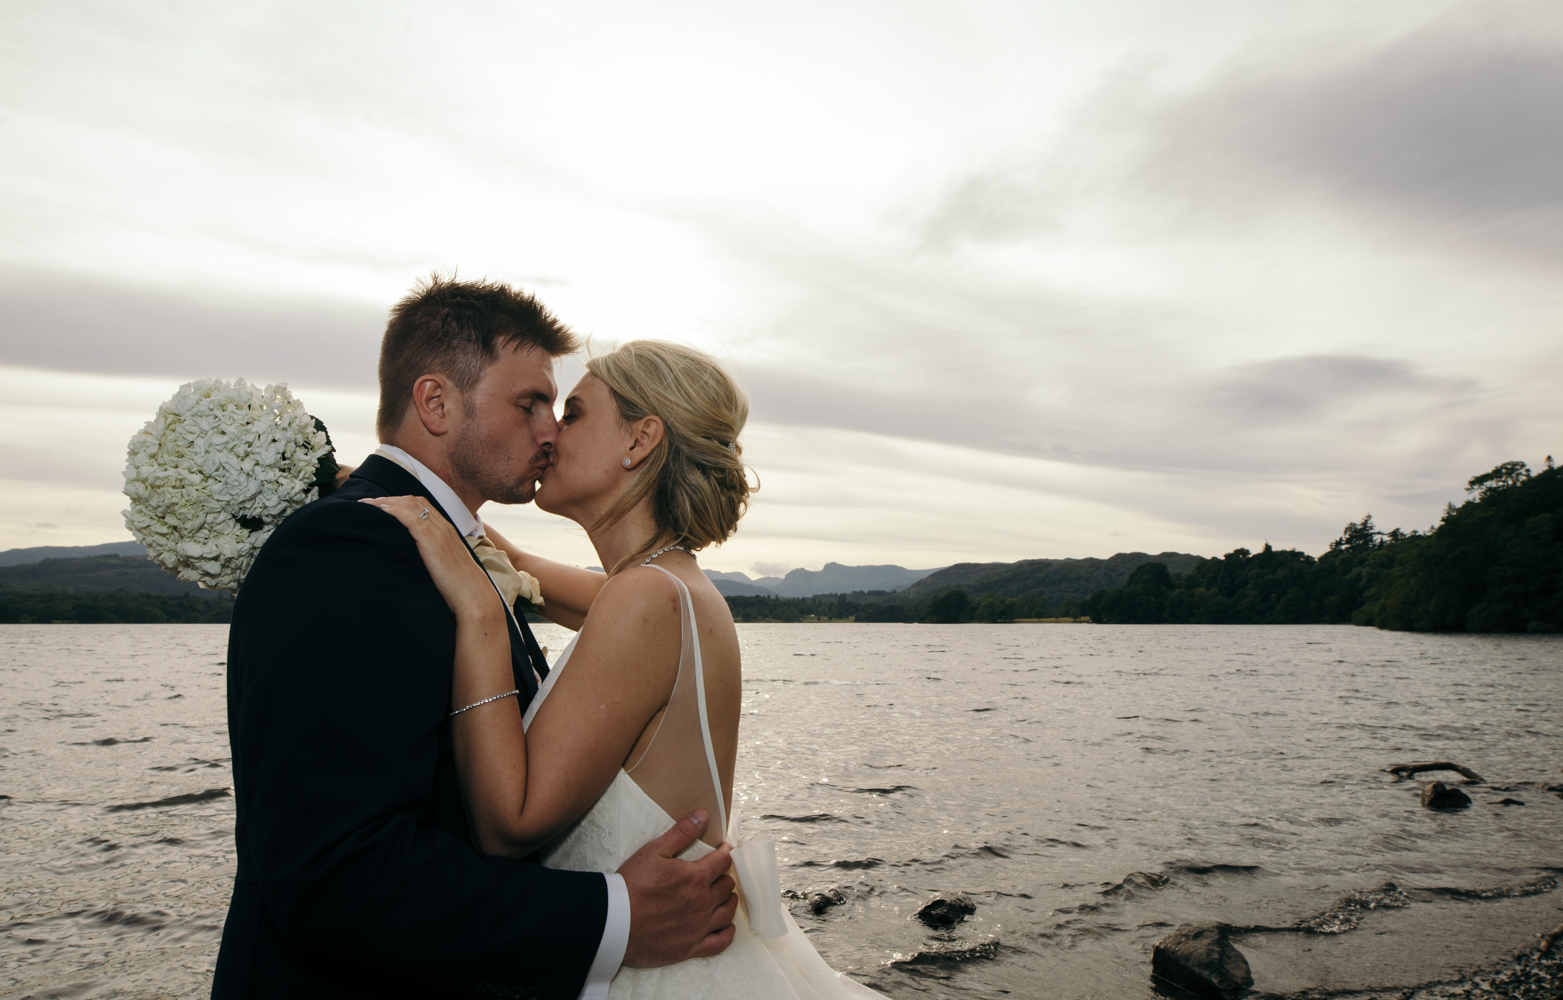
x=1004 y=280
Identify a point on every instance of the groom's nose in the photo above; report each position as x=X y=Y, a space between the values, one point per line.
x=545 y=429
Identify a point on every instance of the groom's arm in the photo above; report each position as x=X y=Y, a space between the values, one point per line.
x=343 y=666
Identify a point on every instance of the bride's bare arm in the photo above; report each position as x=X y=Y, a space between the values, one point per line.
x=568 y=591
x=619 y=678
x=522 y=789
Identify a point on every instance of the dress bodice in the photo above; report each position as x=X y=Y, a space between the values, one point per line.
x=615 y=827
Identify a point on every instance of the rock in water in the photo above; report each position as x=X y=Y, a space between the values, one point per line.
x=819 y=902
x=1437 y=795
x=1199 y=958
x=945 y=911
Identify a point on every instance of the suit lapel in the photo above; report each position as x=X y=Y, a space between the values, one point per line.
x=527 y=661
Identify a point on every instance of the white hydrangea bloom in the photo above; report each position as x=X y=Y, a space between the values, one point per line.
x=217 y=457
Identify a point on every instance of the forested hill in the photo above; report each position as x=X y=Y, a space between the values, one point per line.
x=1051 y=582
x=112 y=572
x=107 y=588
x=985 y=592
x=38 y=553
x=1493 y=564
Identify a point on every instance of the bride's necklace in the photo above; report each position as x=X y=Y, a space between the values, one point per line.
x=665 y=548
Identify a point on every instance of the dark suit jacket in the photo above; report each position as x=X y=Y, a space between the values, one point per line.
x=357 y=877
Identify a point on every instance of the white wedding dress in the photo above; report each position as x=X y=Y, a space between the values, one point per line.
x=679 y=768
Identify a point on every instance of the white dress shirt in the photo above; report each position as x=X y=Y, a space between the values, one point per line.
x=616 y=933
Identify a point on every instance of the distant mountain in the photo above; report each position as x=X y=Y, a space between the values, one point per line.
x=732 y=588
x=1055 y=580
x=838 y=579
x=712 y=574
x=833 y=579
x=38 y=553
x=109 y=572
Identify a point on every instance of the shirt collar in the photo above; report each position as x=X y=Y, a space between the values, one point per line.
x=466 y=522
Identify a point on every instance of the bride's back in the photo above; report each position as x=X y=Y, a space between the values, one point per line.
x=673 y=656
x=672 y=761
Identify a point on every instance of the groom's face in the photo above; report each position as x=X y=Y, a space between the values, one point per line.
x=506 y=438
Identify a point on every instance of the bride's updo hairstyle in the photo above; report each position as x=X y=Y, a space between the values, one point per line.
x=695 y=478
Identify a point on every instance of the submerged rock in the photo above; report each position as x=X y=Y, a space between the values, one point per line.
x=819 y=902
x=1437 y=795
x=951 y=956
x=1199 y=958
x=946 y=911
x=1136 y=880
x=1346 y=913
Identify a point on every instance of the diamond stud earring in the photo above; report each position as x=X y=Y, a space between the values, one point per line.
x=626 y=463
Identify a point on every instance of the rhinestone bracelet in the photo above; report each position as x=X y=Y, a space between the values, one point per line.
x=485 y=701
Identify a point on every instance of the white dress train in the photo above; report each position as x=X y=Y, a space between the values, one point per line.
x=626 y=817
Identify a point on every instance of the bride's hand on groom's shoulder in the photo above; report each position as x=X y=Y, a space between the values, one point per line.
x=462 y=582
x=678 y=909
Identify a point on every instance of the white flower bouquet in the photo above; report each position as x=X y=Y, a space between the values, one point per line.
x=216 y=471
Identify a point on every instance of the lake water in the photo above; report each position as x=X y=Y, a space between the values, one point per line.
x=1087 y=788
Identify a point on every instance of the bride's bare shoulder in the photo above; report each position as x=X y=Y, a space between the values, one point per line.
x=630 y=640
x=635 y=599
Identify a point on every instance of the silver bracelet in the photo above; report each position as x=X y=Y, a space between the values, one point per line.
x=485 y=701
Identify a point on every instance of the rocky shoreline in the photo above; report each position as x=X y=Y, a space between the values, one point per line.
x=1533 y=974
x=1204 y=960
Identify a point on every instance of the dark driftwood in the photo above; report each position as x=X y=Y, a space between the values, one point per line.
x=1550 y=939
x=1407 y=770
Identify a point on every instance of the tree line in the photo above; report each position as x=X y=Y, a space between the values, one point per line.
x=35 y=605
x=1492 y=564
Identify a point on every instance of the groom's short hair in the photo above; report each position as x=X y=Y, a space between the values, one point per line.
x=456 y=329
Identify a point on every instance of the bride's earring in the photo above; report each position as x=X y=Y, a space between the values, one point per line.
x=627 y=463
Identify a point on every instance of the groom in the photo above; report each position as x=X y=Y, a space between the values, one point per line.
x=357 y=876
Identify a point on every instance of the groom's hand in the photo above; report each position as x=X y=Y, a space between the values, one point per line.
x=678 y=909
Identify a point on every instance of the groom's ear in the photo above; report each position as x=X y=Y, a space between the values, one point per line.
x=434 y=401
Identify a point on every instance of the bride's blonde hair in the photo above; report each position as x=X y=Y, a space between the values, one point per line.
x=695 y=478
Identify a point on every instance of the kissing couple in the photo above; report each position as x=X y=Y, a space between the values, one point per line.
x=424 y=807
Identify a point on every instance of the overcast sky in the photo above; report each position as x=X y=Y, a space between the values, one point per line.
x=1003 y=280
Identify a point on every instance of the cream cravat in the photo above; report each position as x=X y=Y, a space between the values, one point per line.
x=504 y=575
x=507 y=581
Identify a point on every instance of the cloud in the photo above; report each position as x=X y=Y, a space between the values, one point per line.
x=1455 y=129
x=972 y=320
x=1307 y=387
x=1452 y=130
x=64 y=323
x=1281 y=416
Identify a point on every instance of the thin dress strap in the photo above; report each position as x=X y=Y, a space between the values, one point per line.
x=690 y=648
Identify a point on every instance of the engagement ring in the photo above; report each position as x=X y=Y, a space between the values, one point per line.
x=423 y=515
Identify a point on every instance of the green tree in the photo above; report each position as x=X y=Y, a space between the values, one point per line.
x=993 y=608
x=949 y=607
x=1495 y=563
x=1502 y=477
x=1358 y=536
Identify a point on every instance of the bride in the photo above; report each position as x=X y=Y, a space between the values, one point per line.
x=637 y=722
